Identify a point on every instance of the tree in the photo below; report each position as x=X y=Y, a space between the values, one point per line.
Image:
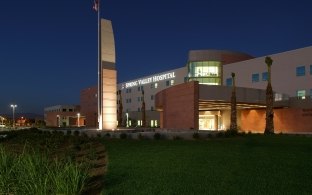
x=120 y=109
x=233 y=125
x=143 y=111
x=269 y=126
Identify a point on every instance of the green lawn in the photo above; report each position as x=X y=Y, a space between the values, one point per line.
x=254 y=164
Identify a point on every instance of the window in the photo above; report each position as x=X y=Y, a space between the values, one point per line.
x=156 y=85
x=152 y=97
x=139 y=109
x=300 y=71
x=152 y=108
x=139 y=99
x=229 y=82
x=64 y=110
x=264 y=76
x=171 y=82
x=142 y=98
x=301 y=94
x=167 y=83
x=255 y=78
x=142 y=88
x=139 y=88
x=152 y=86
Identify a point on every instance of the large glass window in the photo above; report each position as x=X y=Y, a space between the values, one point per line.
x=205 y=72
x=300 y=71
x=255 y=78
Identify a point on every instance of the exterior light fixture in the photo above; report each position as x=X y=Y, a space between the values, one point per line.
x=13 y=106
x=127 y=115
x=78 y=116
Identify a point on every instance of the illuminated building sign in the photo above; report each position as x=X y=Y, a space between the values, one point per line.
x=151 y=79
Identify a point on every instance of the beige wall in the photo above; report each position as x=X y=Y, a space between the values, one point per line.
x=284 y=79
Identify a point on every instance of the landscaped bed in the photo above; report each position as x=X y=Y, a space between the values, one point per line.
x=42 y=162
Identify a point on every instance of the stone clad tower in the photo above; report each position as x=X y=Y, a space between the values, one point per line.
x=108 y=79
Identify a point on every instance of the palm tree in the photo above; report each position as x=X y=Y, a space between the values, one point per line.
x=233 y=125
x=120 y=109
x=269 y=126
x=143 y=111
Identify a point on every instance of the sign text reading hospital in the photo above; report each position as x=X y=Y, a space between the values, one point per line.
x=152 y=79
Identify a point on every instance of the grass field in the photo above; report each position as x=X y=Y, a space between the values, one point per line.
x=254 y=164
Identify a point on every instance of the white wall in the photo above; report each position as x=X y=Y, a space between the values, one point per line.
x=284 y=79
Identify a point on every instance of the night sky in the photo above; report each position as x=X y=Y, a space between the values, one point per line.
x=48 y=48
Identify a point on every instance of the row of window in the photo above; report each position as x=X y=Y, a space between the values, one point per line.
x=153 y=123
x=62 y=110
x=256 y=77
x=140 y=99
x=301 y=70
x=140 y=109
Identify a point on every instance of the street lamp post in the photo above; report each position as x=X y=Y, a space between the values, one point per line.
x=78 y=116
x=13 y=106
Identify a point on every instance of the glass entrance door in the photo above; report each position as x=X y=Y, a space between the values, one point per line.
x=206 y=122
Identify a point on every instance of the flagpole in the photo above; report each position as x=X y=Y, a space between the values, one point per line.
x=99 y=69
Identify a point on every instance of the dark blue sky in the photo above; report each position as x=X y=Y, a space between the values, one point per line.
x=48 y=49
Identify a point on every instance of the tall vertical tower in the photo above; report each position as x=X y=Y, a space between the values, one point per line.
x=108 y=78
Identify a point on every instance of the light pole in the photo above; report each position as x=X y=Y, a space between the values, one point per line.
x=127 y=115
x=78 y=116
x=13 y=106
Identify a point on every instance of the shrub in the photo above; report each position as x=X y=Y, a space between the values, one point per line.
x=210 y=135
x=230 y=133
x=98 y=135
x=68 y=132
x=220 y=134
x=123 y=136
x=196 y=135
x=176 y=137
x=107 y=135
x=157 y=136
x=140 y=136
x=76 y=133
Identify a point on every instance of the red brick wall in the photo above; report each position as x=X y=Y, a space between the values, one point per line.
x=285 y=120
x=88 y=103
x=179 y=105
